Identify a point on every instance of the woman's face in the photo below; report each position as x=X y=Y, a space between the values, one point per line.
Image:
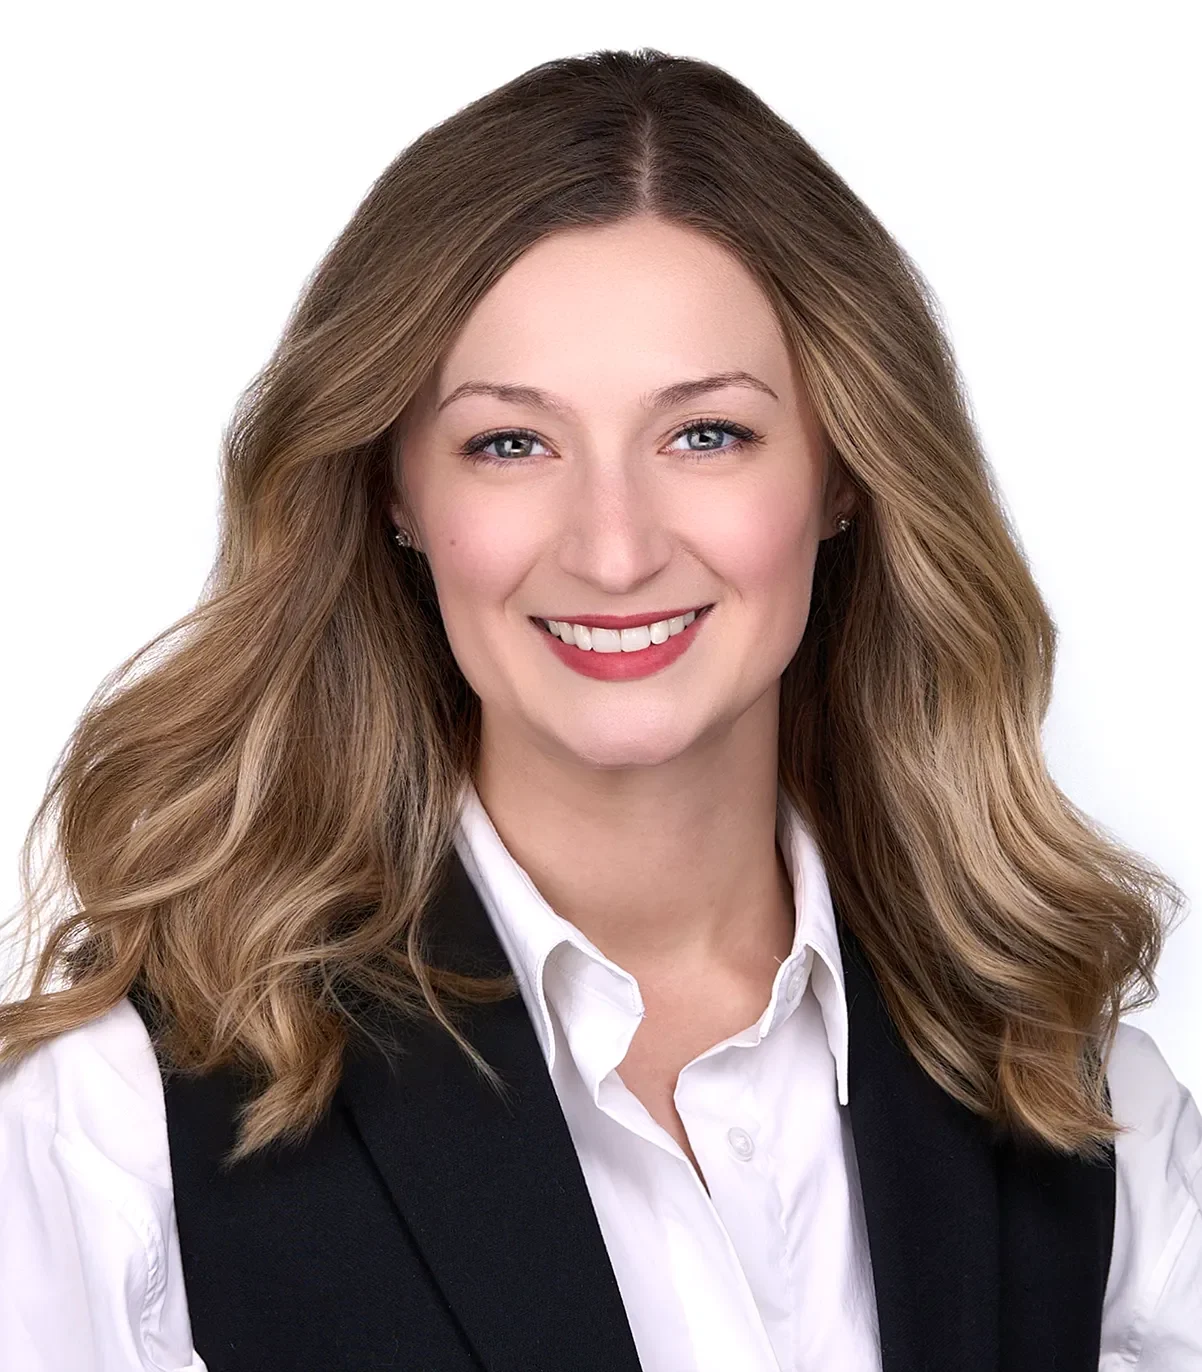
x=590 y=495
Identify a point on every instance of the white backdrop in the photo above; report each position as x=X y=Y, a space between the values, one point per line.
x=173 y=174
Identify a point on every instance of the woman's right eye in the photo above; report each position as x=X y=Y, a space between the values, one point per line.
x=473 y=450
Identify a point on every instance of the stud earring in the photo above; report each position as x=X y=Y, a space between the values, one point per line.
x=404 y=538
x=843 y=524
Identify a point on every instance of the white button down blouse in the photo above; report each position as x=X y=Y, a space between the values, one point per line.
x=770 y=1272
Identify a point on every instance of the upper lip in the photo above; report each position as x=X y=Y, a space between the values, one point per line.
x=623 y=621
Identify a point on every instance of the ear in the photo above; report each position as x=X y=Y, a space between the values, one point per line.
x=394 y=504
x=841 y=499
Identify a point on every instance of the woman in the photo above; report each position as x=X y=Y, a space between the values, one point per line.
x=584 y=890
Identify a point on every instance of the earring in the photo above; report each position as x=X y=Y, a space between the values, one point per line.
x=404 y=538
x=843 y=524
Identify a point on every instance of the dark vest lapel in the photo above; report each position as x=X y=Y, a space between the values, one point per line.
x=981 y=1259
x=984 y=1255
x=492 y=1192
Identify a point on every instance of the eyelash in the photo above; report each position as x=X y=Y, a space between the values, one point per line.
x=473 y=448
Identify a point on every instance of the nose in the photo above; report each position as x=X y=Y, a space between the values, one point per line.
x=617 y=529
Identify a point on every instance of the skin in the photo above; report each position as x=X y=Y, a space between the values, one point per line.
x=643 y=811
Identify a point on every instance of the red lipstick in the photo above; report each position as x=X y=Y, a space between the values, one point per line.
x=624 y=666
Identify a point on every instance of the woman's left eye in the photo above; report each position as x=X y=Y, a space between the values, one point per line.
x=742 y=434
x=474 y=449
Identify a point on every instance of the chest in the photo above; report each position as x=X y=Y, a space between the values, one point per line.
x=676 y=1029
x=431 y=1219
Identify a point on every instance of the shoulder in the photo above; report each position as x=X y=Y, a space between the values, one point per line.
x=1145 y=1091
x=89 y=1260
x=97 y=1088
x=1153 y=1308
x=1159 y=1153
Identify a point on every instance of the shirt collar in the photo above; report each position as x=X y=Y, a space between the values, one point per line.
x=555 y=964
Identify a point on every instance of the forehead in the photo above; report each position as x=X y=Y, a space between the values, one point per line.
x=644 y=299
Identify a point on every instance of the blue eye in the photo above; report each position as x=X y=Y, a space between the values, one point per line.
x=473 y=450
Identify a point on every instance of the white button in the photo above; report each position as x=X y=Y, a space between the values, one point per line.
x=793 y=985
x=740 y=1143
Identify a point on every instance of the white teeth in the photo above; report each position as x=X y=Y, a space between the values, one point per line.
x=620 y=640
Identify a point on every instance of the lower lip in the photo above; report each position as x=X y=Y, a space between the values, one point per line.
x=623 y=666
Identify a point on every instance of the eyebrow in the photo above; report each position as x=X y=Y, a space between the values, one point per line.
x=666 y=398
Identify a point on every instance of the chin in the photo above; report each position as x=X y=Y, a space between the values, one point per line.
x=624 y=747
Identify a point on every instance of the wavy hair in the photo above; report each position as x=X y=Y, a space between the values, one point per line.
x=254 y=810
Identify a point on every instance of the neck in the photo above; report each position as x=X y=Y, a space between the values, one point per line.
x=670 y=870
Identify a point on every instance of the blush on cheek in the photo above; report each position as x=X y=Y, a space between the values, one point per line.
x=479 y=561
x=479 y=573
x=778 y=574
x=769 y=548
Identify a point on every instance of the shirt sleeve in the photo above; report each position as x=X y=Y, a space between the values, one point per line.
x=90 y=1276
x=1152 y=1319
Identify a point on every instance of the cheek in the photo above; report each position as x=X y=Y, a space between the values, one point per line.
x=474 y=551
x=477 y=561
x=764 y=549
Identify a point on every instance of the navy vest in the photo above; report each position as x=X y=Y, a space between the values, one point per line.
x=426 y=1225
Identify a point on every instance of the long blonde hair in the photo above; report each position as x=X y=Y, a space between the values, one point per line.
x=253 y=812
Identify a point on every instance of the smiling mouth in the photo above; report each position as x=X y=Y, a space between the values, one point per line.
x=615 y=640
x=696 y=612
